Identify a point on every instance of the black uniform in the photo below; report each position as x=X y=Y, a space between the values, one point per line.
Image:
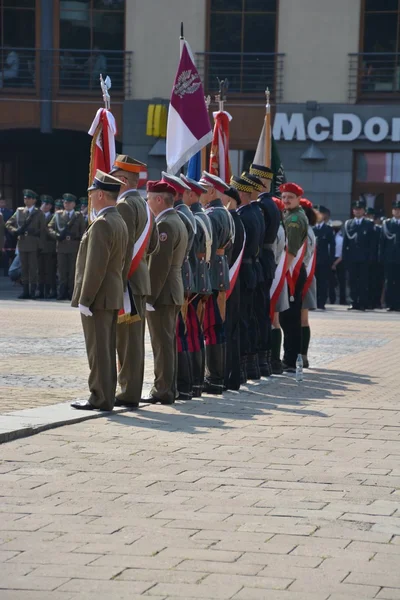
x=232 y=323
x=390 y=254
x=357 y=246
x=376 y=271
x=325 y=257
x=249 y=279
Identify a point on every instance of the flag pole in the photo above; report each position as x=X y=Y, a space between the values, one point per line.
x=207 y=100
x=267 y=130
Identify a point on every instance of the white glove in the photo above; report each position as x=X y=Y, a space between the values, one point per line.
x=85 y=310
x=150 y=308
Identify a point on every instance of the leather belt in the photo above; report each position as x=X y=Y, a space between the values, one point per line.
x=220 y=252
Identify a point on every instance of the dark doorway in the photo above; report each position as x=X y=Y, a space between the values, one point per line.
x=46 y=163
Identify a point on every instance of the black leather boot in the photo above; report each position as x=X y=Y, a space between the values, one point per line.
x=40 y=292
x=33 y=291
x=198 y=363
x=25 y=292
x=184 y=378
x=253 y=368
x=62 y=293
x=265 y=368
x=215 y=369
x=243 y=370
x=47 y=291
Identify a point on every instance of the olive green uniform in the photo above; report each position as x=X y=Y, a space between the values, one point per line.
x=167 y=298
x=30 y=227
x=48 y=261
x=100 y=287
x=67 y=229
x=130 y=336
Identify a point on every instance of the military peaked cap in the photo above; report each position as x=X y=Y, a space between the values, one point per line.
x=123 y=162
x=253 y=180
x=45 y=199
x=29 y=194
x=261 y=171
x=178 y=184
x=241 y=185
x=105 y=182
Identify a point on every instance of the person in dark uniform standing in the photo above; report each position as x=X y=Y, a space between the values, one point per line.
x=249 y=280
x=184 y=371
x=231 y=201
x=83 y=203
x=272 y=220
x=7 y=249
x=67 y=228
x=376 y=274
x=28 y=224
x=390 y=255
x=214 y=321
x=47 y=255
x=296 y=225
x=199 y=258
x=357 y=248
x=325 y=255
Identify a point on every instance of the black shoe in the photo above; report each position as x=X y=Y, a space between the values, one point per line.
x=265 y=367
x=277 y=368
x=243 y=370
x=252 y=367
x=184 y=396
x=197 y=391
x=288 y=368
x=33 y=291
x=215 y=389
x=125 y=403
x=25 y=293
x=306 y=364
x=83 y=405
x=154 y=400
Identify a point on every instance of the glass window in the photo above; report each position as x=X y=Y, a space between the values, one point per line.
x=381 y=5
x=396 y=167
x=17 y=36
x=109 y=4
x=380 y=33
x=19 y=3
x=374 y=167
x=226 y=28
x=261 y=5
x=227 y=5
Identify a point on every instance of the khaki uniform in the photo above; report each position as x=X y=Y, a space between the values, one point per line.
x=30 y=228
x=130 y=336
x=68 y=232
x=99 y=286
x=166 y=297
x=48 y=259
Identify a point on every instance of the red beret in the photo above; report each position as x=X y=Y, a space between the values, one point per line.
x=279 y=203
x=306 y=203
x=160 y=187
x=293 y=188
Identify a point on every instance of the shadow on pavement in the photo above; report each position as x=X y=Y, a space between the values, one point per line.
x=278 y=394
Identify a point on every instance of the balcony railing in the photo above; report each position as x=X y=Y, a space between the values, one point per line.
x=374 y=75
x=63 y=72
x=249 y=73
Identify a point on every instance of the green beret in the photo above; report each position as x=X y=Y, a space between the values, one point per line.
x=69 y=198
x=29 y=194
x=45 y=199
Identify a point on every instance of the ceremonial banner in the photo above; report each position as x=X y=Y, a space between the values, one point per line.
x=235 y=268
x=219 y=156
x=194 y=167
x=188 y=128
x=276 y=164
x=278 y=282
x=310 y=272
x=293 y=273
x=102 y=149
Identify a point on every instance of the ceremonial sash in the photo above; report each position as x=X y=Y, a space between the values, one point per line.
x=235 y=268
x=278 y=282
x=129 y=314
x=310 y=272
x=293 y=273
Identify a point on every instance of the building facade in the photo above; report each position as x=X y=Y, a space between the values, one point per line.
x=333 y=69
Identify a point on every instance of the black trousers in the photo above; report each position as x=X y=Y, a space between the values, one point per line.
x=358 y=279
x=322 y=274
x=392 y=273
x=376 y=280
x=290 y=321
x=261 y=309
x=232 y=329
x=248 y=322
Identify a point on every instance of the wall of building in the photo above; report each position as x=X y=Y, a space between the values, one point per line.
x=152 y=34
x=316 y=36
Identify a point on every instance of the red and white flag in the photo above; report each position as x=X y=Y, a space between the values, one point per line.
x=188 y=127
x=278 y=282
x=235 y=268
x=293 y=273
x=310 y=270
x=219 y=155
x=102 y=150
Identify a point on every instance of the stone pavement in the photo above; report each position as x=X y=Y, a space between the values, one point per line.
x=279 y=492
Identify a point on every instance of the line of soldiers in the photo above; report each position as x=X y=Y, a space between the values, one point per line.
x=48 y=241
x=198 y=261
x=367 y=250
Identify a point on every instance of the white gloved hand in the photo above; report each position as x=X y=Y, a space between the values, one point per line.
x=85 y=310
x=150 y=308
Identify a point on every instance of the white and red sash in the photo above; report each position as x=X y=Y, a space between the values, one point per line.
x=129 y=313
x=235 y=268
x=278 y=282
x=293 y=272
x=310 y=272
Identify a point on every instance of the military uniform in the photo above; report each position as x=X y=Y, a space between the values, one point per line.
x=214 y=328
x=83 y=206
x=29 y=225
x=99 y=287
x=47 y=257
x=390 y=254
x=376 y=272
x=167 y=297
x=67 y=228
x=357 y=246
x=325 y=238
x=296 y=225
x=130 y=335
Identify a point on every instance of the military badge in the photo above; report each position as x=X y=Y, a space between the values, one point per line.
x=163 y=237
